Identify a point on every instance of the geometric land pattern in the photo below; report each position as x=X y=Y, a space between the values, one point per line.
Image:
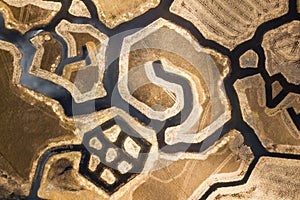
x=256 y=115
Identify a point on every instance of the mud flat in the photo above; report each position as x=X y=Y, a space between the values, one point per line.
x=113 y=13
